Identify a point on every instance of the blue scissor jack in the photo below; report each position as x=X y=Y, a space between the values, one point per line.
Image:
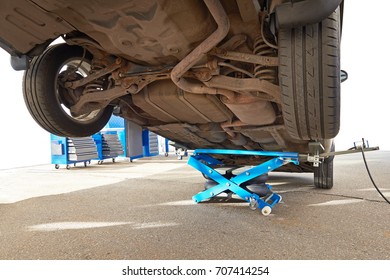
x=203 y=161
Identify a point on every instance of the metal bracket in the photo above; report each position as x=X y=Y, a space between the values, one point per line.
x=317 y=155
x=315 y=148
x=350 y=151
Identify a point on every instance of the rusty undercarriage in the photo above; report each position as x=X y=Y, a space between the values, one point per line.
x=236 y=74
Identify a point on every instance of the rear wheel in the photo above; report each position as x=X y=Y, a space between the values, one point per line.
x=49 y=101
x=309 y=74
x=323 y=174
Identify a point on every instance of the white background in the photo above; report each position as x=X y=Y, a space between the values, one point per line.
x=365 y=98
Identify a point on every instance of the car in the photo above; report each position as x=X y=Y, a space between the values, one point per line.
x=219 y=74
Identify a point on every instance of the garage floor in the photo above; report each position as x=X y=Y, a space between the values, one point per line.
x=143 y=210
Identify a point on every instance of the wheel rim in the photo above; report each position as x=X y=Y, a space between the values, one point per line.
x=80 y=68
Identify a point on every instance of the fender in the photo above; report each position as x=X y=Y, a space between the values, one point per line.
x=294 y=13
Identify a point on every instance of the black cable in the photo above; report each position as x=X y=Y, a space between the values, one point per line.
x=369 y=174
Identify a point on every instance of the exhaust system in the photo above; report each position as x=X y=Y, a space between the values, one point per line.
x=246 y=108
x=223 y=26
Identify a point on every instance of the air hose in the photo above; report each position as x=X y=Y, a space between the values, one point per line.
x=369 y=174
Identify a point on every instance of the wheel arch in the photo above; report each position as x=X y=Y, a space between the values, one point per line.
x=292 y=13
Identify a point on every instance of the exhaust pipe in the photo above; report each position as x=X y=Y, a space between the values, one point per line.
x=193 y=57
x=223 y=26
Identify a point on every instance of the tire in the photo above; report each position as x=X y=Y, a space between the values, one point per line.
x=309 y=75
x=323 y=174
x=44 y=96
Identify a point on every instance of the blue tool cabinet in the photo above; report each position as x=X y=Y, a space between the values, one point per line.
x=108 y=146
x=69 y=151
x=118 y=138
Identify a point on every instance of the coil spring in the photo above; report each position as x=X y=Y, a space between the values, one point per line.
x=98 y=84
x=261 y=71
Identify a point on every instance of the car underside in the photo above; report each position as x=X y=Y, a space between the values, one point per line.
x=232 y=74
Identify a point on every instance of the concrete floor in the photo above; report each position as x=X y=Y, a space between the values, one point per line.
x=143 y=210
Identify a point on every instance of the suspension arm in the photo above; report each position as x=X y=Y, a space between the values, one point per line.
x=96 y=75
x=96 y=100
x=245 y=57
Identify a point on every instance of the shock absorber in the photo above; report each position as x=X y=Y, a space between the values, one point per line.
x=261 y=48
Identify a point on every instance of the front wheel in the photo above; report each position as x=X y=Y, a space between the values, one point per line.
x=309 y=76
x=49 y=101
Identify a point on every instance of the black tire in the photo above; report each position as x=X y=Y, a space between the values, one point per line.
x=323 y=174
x=42 y=94
x=309 y=75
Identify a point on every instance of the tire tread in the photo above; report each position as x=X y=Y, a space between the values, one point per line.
x=309 y=77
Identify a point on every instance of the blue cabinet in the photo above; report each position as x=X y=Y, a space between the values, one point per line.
x=69 y=151
x=118 y=138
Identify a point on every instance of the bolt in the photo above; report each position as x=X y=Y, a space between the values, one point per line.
x=210 y=171
x=174 y=50
x=211 y=193
x=247 y=173
x=133 y=88
x=227 y=184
